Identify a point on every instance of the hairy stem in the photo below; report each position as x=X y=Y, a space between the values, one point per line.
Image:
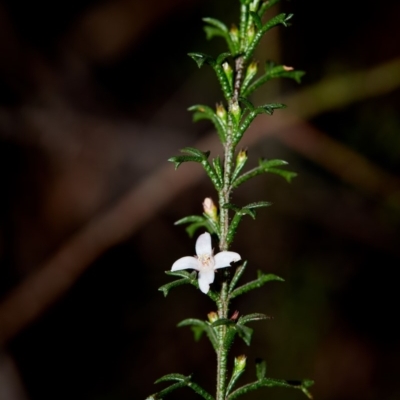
x=224 y=196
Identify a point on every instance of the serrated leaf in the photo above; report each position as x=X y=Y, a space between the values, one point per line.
x=261 y=369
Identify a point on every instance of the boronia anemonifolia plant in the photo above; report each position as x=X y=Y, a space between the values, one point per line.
x=238 y=76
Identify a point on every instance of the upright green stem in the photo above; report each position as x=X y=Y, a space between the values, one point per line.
x=224 y=197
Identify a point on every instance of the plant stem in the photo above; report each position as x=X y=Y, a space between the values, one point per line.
x=222 y=354
x=224 y=196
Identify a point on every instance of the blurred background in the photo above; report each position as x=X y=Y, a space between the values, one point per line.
x=93 y=100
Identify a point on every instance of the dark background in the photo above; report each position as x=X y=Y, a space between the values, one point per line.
x=93 y=100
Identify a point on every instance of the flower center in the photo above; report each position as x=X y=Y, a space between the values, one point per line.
x=206 y=260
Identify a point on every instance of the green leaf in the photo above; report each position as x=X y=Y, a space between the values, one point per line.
x=238 y=273
x=167 y=287
x=189 y=219
x=196 y=152
x=217 y=23
x=223 y=321
x=269 y=382
x=172 y=377
x=182 y=381
x=182 y=274
x=201 y=59
x=277 y=20
x=261 y=280
x=269 y=108
x=261 y=369
x=178 y=160
x=197 y=332
x=252 y=317
x=256 y=19
x=245 y=333
x=273 y=71
x=160 y=395
x=266 y=6
x=231 y=206
x=258 y=204
x=205 y=112
x=288 y=175
x=248 y=104
x=199 y=327
x=222 y=57
x=264 y=167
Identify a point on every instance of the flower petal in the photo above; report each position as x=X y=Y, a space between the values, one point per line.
x=224 y=259
x=205 y=278
x=203 y=244
x=185 y=263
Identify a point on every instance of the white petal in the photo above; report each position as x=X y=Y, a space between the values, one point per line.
x=224 y=259
x=185 y=263
x=203 y=244
x=205 y=278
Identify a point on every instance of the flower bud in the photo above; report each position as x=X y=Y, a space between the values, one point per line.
x=241 y=157
x=239 y=364
x=236 y=112
x=212 y=316
x=221 y=112
x=210 y=209
x=228 y=72
x=250 y=33
x=234 y=33
x=286 y=68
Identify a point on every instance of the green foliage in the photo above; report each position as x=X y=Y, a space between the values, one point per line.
x=237 y=74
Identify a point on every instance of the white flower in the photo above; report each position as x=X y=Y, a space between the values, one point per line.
x=205 y=262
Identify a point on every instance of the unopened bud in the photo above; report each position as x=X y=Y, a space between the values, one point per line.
x=210 y=208
x=235 y=315
x=286 y=68
x=250 y=33
x=241 y=157
x=236 y=112
x=252 y=68
x=228 y=72
x=212 y=316
x=221 y=112
x=239 y=364
x=234 y=33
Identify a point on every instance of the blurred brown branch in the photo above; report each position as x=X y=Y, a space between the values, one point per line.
x=50 y=281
